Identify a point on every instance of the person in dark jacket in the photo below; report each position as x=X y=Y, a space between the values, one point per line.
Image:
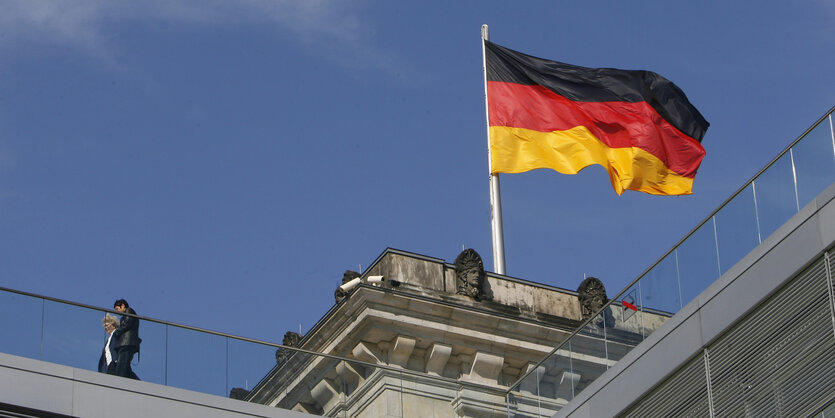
x=107 y=361
x=125 y=339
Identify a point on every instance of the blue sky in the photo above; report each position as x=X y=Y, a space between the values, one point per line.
x=220 y=164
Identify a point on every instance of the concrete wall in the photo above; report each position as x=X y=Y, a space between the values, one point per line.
x=57 y=389
x=436 y=278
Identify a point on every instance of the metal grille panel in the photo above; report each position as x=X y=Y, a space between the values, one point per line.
x=780 y=357
x=682 y=395
x=831 y=280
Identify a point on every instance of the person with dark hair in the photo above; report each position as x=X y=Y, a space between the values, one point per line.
x=125 y=339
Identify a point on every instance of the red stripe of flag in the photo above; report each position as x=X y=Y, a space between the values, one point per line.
x=626 y=124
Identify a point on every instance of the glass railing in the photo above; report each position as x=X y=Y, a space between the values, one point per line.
x=795 y=177
x=72 y=334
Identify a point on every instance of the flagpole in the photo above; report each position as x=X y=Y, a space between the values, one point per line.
x=495 y=191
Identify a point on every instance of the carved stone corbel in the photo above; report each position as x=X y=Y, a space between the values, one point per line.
x=486 y=368
x=437 y=357
x=403 y=347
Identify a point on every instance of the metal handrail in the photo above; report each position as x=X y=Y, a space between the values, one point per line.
x=251 y=340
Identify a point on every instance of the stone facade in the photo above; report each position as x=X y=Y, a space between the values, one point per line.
x=419 y=346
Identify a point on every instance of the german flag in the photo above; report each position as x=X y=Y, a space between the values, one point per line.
x=636 y=124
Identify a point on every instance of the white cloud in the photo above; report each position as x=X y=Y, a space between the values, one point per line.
x=330 y=27
x=49 y=22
